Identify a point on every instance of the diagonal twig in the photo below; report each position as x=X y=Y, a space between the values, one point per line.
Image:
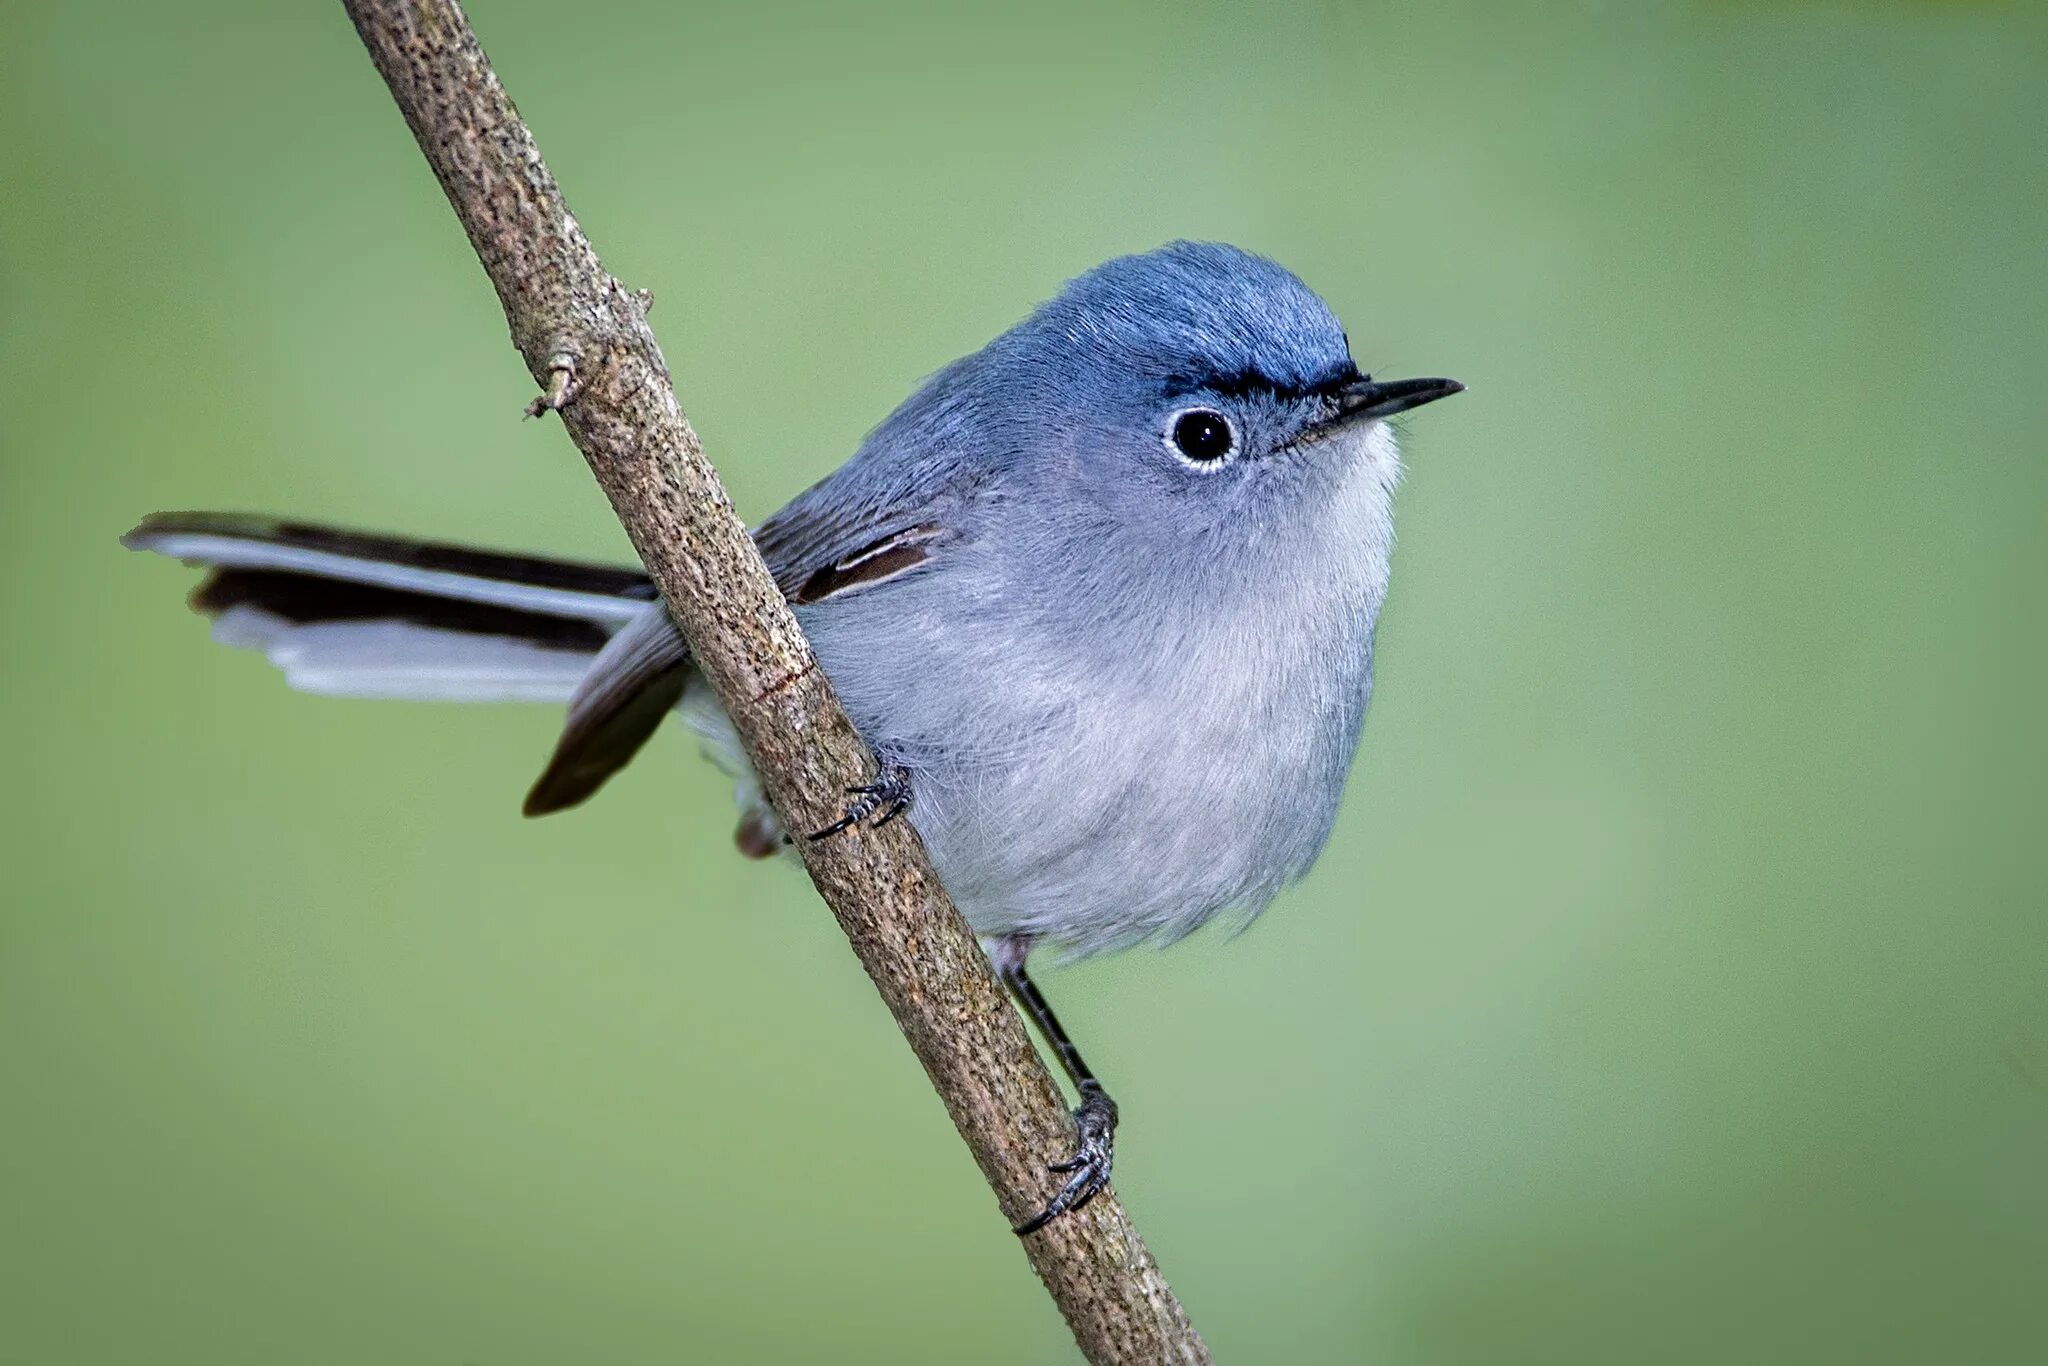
x=585 y=339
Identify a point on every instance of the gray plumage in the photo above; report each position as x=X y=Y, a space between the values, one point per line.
x=1122 y=659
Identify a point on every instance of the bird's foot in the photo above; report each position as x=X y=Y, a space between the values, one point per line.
x=880 y=801
x=1087 y=1170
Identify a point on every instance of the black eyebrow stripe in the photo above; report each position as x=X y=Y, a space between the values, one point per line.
x=1247 y=382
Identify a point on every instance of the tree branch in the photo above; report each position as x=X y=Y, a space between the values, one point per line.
x=586 y=340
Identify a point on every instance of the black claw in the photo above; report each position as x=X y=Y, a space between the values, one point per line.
x=841 y=824
x=1094 y=1155
x=1040 y=1220
x=888 y=794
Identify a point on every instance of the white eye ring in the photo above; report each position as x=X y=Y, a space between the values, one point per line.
x=1192 y=435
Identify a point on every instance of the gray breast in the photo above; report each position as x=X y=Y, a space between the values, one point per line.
x=1100 y=760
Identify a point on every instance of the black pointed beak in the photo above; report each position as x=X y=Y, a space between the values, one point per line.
x=1367 y=397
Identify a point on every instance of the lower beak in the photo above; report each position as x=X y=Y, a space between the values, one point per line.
x=1368 y=397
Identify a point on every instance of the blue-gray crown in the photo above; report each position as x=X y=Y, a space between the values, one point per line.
x=1200 y=313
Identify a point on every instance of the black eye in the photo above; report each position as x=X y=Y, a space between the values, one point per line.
x=1203 y=436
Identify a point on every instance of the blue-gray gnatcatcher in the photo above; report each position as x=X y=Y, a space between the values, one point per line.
x=1100 y=595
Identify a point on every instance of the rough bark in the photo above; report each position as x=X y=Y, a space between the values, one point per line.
x=586 y=340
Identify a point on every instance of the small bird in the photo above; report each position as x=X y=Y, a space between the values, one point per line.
x=1100 y=596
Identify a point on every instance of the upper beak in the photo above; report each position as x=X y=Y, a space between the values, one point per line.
x=1369 y=397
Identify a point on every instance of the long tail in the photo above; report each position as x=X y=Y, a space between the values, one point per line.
x=355 y=615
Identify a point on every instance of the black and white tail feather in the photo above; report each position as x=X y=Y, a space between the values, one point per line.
x=355 y=615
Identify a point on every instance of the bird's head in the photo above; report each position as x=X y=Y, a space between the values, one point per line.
x=1195 y=383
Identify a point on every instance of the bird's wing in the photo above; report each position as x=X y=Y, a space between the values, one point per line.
x=820 y=549
x=878 y=517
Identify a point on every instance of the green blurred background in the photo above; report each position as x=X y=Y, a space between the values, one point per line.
x=1675 y=988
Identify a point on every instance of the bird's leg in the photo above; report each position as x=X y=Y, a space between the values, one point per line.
x=882 y=800
x=1087 y=1170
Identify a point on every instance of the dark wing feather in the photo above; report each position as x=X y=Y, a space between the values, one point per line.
x=894 y=554
x=631 y=685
